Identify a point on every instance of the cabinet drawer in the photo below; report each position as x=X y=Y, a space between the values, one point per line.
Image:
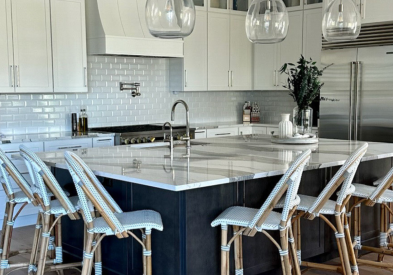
x=103 y=141
x=67 y=145
x=259 y=130
x=269 y=130
x=199 y=134
x=222 y=132
x=245 y=131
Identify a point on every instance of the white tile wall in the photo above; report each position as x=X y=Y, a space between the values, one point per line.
x=107 y=105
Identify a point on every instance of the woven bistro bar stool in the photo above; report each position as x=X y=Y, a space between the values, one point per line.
x=249 y=221
x=23 y=197
x=113 y=220
x=321 y=206
x=372 y=196
x=61 y=206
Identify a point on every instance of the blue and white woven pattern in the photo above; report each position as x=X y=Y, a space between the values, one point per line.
x=290 y=175
x=248 y=217
x=348 y=170
x=147 y=219
x=366 y=191
x=39 y=169
x=5 y=162
x=100 y=188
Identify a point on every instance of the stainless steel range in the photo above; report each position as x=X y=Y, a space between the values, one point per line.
x=135 y=134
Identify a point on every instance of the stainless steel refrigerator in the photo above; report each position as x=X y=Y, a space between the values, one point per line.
x=357 y=98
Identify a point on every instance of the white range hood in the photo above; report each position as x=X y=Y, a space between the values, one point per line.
x=118 y=27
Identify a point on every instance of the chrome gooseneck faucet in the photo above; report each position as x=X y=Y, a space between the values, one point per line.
x=169 y=139
x=187 y=138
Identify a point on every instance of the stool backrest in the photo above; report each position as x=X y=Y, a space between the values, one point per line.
x=43 y=178
x=8 y=169
x=89 y=188
x=383 y=186
x=344 y=177
x=289 y=182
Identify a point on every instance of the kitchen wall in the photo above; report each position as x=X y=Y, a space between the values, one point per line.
x=107 y=105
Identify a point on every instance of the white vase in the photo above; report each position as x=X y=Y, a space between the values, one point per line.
x=285 y=127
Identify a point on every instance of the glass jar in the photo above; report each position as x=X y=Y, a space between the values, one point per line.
x=302 y=120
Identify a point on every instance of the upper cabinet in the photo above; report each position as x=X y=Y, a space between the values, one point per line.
x=229 y=53
x=228 y=6
x=312 y=34
x=69 y=46
x=375 y=11
x=35 y=65
x=6 y=51
x=31 y=32
x=269 y=58
x=295 y=5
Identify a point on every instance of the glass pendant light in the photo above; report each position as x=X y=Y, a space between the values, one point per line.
x=341 y=21
x=170 y=18
x=267 y=21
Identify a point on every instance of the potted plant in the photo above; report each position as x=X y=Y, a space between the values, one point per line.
x=305 y=86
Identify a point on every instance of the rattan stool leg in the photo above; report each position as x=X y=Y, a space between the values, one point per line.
x=44 y=244
x=382 y=234
x=284 y=251
x=98 y=258
x=7 y=236
x=7 y=206
x=295 y=261
x=143 y=254
x=87 y=257
x=149 y=268
x=238 y=252
x=224 y=241
x=351 y=252
x=342 y=245
x=34 y=250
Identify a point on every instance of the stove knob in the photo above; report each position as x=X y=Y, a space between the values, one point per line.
x=138 y=140
x=151 y=139
x=133 y=141
x=144 y=140
x=126 y=141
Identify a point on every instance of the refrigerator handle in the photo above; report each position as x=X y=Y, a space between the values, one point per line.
x=351 y=91
x=357 y=94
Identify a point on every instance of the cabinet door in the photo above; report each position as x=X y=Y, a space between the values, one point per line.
x=218 y=51
x=222 y=132
x=6 y=52
x=265 y=63
x=200 y=134
x=68 y=145
x=240 y=55
x=103 y=142
x=195 y=56
x=259 y=130
x=32 y=46
x=292 y=47
x=374 y=11
x=312 y=35
x=69 y=46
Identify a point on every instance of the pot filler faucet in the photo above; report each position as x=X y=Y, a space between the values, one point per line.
x=187 y=137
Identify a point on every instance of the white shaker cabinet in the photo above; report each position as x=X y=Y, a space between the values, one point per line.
x=195 y=55
x=269 y=58
x=32 y=46
x=69 y=46
x=312 y=35
x=240 y=55
x=218 y=51
x=375 y=11
x=292 y=47
x=68 y=145
x=6 y=51
x=103 y=142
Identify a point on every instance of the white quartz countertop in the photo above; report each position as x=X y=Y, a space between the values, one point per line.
x=51 y=136
x=217 y=161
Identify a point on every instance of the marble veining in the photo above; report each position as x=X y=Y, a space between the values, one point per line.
x=213 y=161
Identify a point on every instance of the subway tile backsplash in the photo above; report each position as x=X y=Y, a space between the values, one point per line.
x=107 y=105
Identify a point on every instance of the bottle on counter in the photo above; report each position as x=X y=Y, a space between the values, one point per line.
x=83 y=121
x=247 y=112
x=74 y=123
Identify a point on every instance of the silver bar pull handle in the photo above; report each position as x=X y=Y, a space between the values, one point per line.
x=11 y=152
x=274 y=78
x=71 y=147
x=231 y=78
x=185 y=78
x=108 y=139
x=85 y=74
x=223 y=134
x=351 y=91
x=17 y=75
x=357 y=99
x=12 y=78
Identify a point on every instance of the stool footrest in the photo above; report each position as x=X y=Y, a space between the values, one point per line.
x=378 y=250
x=373 y=263
x=323 y=266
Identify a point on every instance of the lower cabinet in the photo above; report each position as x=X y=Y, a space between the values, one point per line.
x=103 y=141
x=199 y=134
x=67 y=145
x=259 y=130
x=222 y=132
x=245 y=130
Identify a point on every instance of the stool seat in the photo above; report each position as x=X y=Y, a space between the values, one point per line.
x=147 y=219
x=365 y=191
x=242 y=216
x=57 y=209
x=21 y=197
x=307 y=201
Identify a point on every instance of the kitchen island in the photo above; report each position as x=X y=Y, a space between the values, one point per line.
x=189 y=192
